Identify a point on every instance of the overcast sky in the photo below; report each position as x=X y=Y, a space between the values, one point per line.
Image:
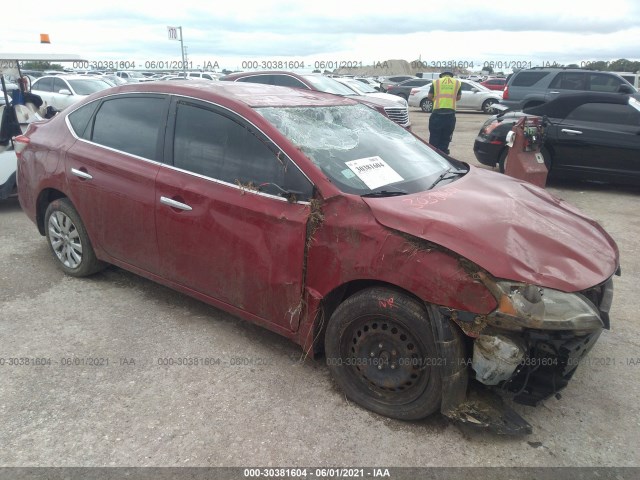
x=232 y=32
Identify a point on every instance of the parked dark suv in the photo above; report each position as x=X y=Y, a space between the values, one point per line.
x=535 y=86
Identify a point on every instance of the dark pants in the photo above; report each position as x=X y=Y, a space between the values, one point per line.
x=441 y=126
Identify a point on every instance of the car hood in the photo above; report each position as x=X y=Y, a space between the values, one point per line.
x=512 y=229
x=375 y=100
x=399 y=101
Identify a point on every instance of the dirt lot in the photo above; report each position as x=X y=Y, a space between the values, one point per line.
x=261 y=405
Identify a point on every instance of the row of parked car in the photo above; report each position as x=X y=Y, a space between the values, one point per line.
x=592 y=119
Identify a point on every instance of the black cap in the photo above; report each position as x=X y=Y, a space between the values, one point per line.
x=446 y=73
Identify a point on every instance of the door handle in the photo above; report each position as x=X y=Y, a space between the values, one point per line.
x=81 y=174
x=175 y=204
x=554 y=92
x=571 y=132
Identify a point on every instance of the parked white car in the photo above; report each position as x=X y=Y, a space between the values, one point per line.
x=368 y=91
x=474 y=97
x=132 y=77
x=60 y=91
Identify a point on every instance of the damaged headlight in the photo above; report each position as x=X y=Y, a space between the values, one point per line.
x=529 y=306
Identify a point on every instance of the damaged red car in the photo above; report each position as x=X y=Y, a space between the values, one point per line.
x=421 y=278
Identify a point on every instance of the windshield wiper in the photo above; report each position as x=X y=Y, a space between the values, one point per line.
x=444 y=174
x=385 y=193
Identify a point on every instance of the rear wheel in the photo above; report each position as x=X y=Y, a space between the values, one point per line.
x=69 y=241
x=381 y=352
x=426 y=105
x=487 y=106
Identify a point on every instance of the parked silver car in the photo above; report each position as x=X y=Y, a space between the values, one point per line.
x=474 y=97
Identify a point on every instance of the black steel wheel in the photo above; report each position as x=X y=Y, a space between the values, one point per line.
x=381 y=352
x=69 y=241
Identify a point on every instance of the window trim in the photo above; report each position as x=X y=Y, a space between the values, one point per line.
x=165 y=142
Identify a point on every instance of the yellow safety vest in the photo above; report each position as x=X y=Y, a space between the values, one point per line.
x=445 y=91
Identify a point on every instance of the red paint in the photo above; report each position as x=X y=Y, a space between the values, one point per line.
x=386 y=303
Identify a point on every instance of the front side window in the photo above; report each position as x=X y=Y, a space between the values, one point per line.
x=210 y=143
x=606 y=113
x=569 y=81
x=43 y=85
x=359 y=149
x=59 y=84
x=130 y=124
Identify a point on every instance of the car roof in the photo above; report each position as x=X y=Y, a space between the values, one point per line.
x=249 y=94
x=233 y=76
x=72 y=77
x=563 y=104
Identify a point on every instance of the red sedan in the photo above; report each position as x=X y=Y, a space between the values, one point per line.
x=495 y=83
x=322 y=220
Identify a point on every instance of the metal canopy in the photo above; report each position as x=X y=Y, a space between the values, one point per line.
x=41 y=57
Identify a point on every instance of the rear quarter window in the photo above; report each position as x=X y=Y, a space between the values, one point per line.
x=79 y=120
x=528 y=79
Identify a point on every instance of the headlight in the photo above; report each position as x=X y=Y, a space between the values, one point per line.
x=528 y=306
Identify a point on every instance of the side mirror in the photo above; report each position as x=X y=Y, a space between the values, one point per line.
x=625 y=89
x=64 y=91
x=475 y=90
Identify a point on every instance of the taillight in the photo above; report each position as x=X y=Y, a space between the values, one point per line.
x=413 y=91
x=20 y=143
x=487 y=129
x=505 y=93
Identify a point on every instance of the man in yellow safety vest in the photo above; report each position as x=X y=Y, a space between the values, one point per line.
x=444 y=93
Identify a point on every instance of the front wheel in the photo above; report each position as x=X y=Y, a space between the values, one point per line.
x=381 y=352
x=69 y=241
x=426 y=105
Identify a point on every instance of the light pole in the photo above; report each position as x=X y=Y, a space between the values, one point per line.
x=184 y=63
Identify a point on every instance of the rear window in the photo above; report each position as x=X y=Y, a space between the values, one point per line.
x=527 y=79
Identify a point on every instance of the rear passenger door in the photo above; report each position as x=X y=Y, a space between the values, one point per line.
x=111 y=172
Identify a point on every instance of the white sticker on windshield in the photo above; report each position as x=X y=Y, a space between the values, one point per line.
x=374 y=171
